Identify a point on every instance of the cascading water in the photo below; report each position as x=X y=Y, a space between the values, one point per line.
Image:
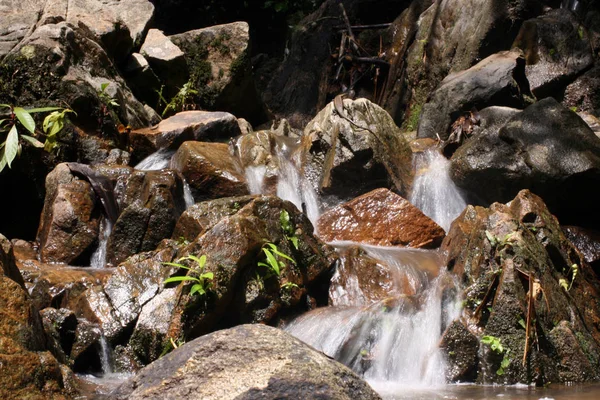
x=188 y=197
x=98 y=259
x=255 y=177
x=434 y=193
x=395 y=340
x=158 y=160
x=105 y=356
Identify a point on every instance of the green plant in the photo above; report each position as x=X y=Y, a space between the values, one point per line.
x=18 y=118
x=106 y=98
x=273 y=265
x=288 y=229
x=180 y=100
x=497 y=347
x=289 y=286
x=563 y=282
x=197 y=275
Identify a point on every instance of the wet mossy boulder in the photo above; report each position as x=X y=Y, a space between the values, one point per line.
x=246 y=362
x=523 y=277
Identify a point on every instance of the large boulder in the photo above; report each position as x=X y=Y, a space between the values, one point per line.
x=546 y=148
x=380 y=218
x=70 y=219
x=249 y=362
x=218 y=62
x=523 y=277
x=348 y=155
x=498 y=80
x=210 y=170
x=584 y=93
x=556 y=48
x=28 y=371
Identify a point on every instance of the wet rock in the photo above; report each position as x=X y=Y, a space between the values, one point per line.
x=497 y=80
x=201 y=217
x=60 y=327
x=186 y=125
x=157 y=204
x=70 y=219
x=380 y=218
x=84 y=352
x=263 y=362
x=346 y=159
x=556 y=49
x=210 y=170
x=512 y=256
x=149 y=338
x=584 y=93
x=219 y=67
x=166 y=60
x=546 y=148
x=28 y=371
x=461 y=348
x=243 y=291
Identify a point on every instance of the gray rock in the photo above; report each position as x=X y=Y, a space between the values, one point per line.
x=497 y=80
x=546 y=148
x=246 y=362
x=584 y=93
x=556 y=48
x=166 y=60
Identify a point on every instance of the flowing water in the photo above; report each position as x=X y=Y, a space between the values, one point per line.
x=393 y=340
x=158 y=160
x=98 y=259
x=434 y=193
x=255 y=178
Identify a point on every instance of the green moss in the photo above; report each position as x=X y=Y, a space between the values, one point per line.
x=411 y=123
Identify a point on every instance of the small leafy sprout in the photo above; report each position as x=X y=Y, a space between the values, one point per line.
x=197 y=275
x=54 y=123
x=288 y=229
x=563 y=282
x=106 y=98
x=497 y=347
x=18 y=116
x=180 y=101
x=272 y=263
x=289 y=286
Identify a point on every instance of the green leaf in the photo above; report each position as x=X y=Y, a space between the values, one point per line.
x=180 y=279
x=197 y=288
x=563 y=283
x=176 y=265
x=25 y=118
x=207 y=275
x=522 y=323
x=2 y=162
x=272 y=261
x=200 y=261
x=12 y=145
x=279 y=253
x=42 y=109
x=103 y=86
x=294 y=241
x=33 y=141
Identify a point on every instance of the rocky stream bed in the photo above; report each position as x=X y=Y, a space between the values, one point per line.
x=361 y=199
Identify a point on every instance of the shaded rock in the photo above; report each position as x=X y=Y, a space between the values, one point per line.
x=584 y=93
x=141 y=79
x=591 y=121
x=218 y=62
x=495 y=252
x=556 y=49
x=587 y=241
x=7 y=261
x=210 y=170
x=380 y=218
x=60 y=327
x=28 y=371
x=201 y=217
x=546 y=148
x=433 y=39
x=243 y=291
x=84 y=352
x=497 y=80
x=186 y=125
x=166 y=60
x=157 y=202
x=461 y=348
x=70 y=219
x=252 y=361
x=346 y=159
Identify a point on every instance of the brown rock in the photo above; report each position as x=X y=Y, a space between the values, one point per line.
x=210 y=170
x=186 y=125
x=383 y=218
x=70 y=218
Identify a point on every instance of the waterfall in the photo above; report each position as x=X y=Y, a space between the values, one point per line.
x=255 y=177
x=434 y=193
x=98 y=259
x=158 y=160
x=187 y=194
x=105 y=356
x=392 y=341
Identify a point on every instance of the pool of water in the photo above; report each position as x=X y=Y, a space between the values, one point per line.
x=480 y=392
